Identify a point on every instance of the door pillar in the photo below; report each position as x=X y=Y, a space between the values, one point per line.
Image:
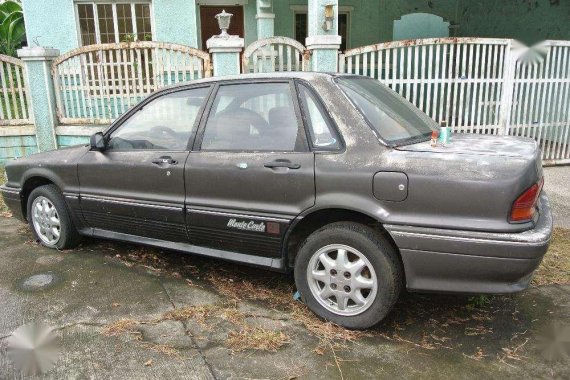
x=323 y=40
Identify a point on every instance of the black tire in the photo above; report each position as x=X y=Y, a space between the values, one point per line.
x=379 y=252
x=69 y=237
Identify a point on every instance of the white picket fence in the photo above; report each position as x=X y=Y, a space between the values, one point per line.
x=14 y=108
x=479 y=85
x=95 y=84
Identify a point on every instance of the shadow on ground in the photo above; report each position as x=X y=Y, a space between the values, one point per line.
x=125 y=311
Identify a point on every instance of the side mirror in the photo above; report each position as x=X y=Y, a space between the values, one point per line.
x=97 y=142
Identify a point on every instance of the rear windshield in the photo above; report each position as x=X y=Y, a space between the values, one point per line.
x=395 y=120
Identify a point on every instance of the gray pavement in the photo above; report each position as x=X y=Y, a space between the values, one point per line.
x=557 y=186
x=427 y=336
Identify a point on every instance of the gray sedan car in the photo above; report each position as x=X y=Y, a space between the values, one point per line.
x=331 y=176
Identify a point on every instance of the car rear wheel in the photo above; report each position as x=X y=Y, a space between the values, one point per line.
x=349 y=274
x=49 y=218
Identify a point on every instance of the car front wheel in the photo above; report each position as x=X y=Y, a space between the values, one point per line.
x=349 y=274
x=49 y=218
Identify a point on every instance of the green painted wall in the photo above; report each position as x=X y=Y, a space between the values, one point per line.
x=175 y=21
x=365 y=14
x=63 y=141
x=51 y=23
x=16 y=146
x=250 y=23
x=525 y=20
x=371 y=21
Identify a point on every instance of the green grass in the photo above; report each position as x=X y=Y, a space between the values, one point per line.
x=555 y=267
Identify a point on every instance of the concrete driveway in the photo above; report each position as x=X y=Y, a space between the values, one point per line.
x=124 y=311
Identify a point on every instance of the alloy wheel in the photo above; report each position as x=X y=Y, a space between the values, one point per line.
x=46 y=221
x=342 y=279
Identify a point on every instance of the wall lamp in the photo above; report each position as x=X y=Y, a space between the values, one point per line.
x=329 y=17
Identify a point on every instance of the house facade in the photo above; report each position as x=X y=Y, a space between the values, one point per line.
x=462 y=62
x=68 y=24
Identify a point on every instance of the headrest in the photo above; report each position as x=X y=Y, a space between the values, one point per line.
x=280 y=117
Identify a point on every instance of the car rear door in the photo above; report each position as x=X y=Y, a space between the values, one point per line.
x=136 y=185
x=251 y=171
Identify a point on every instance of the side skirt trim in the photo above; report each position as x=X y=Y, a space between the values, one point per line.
x=272 y=263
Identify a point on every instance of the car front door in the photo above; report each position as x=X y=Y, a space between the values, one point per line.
x=136 y=185
x=251 y=171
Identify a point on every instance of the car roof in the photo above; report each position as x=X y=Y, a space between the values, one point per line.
x=306 y=75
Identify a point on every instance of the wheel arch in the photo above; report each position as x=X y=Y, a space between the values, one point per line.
x=302 y=227
x=31 y=182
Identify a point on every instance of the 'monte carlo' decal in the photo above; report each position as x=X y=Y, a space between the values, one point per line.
x=246 y=226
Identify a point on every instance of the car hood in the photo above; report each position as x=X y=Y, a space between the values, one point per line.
x=57 y=166
x=480 y=145
x=65 y=155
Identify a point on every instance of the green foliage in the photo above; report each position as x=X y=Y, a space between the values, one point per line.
x=12 y=29
x=479 y=301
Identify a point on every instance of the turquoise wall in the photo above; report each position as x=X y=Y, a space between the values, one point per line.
x=364 y=26
x=526 y=21
x=370 y=21
x=51 y=23
x=175 y=21
x=64 y=140
x=250 y=23
x=420 y=25
x=16 y=146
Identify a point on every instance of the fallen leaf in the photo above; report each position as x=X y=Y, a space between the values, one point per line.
x=148 y=363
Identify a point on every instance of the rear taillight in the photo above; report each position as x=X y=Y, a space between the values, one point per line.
x=525 y=206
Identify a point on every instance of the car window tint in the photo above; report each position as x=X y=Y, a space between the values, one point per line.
x=322 y=135
x=163 y=124
x=252 y=117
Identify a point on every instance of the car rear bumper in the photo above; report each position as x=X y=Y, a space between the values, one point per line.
x=472 y=262
x=13 y=200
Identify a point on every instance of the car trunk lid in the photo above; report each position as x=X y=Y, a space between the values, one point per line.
x=481 y=145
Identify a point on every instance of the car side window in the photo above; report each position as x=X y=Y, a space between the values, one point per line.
x=252 y=117
x=165 y=123
x=320 y=130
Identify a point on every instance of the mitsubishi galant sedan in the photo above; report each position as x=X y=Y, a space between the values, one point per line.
x=331 y=176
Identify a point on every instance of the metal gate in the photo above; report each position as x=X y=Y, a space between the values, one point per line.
x=275 y=54
x=95 y=84
x=479 y=85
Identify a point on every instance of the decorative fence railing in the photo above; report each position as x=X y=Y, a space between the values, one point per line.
x=275 y=54
x=14 y=109
x=97 y=83
x=540 y=106
x=480 y=85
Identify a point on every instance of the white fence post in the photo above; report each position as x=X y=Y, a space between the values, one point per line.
x=506 y=106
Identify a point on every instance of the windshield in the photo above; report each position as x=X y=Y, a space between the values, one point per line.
x=395 y=120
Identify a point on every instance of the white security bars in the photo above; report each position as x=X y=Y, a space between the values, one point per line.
x=97 y=83
x=479 y=85
x=14 y=109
